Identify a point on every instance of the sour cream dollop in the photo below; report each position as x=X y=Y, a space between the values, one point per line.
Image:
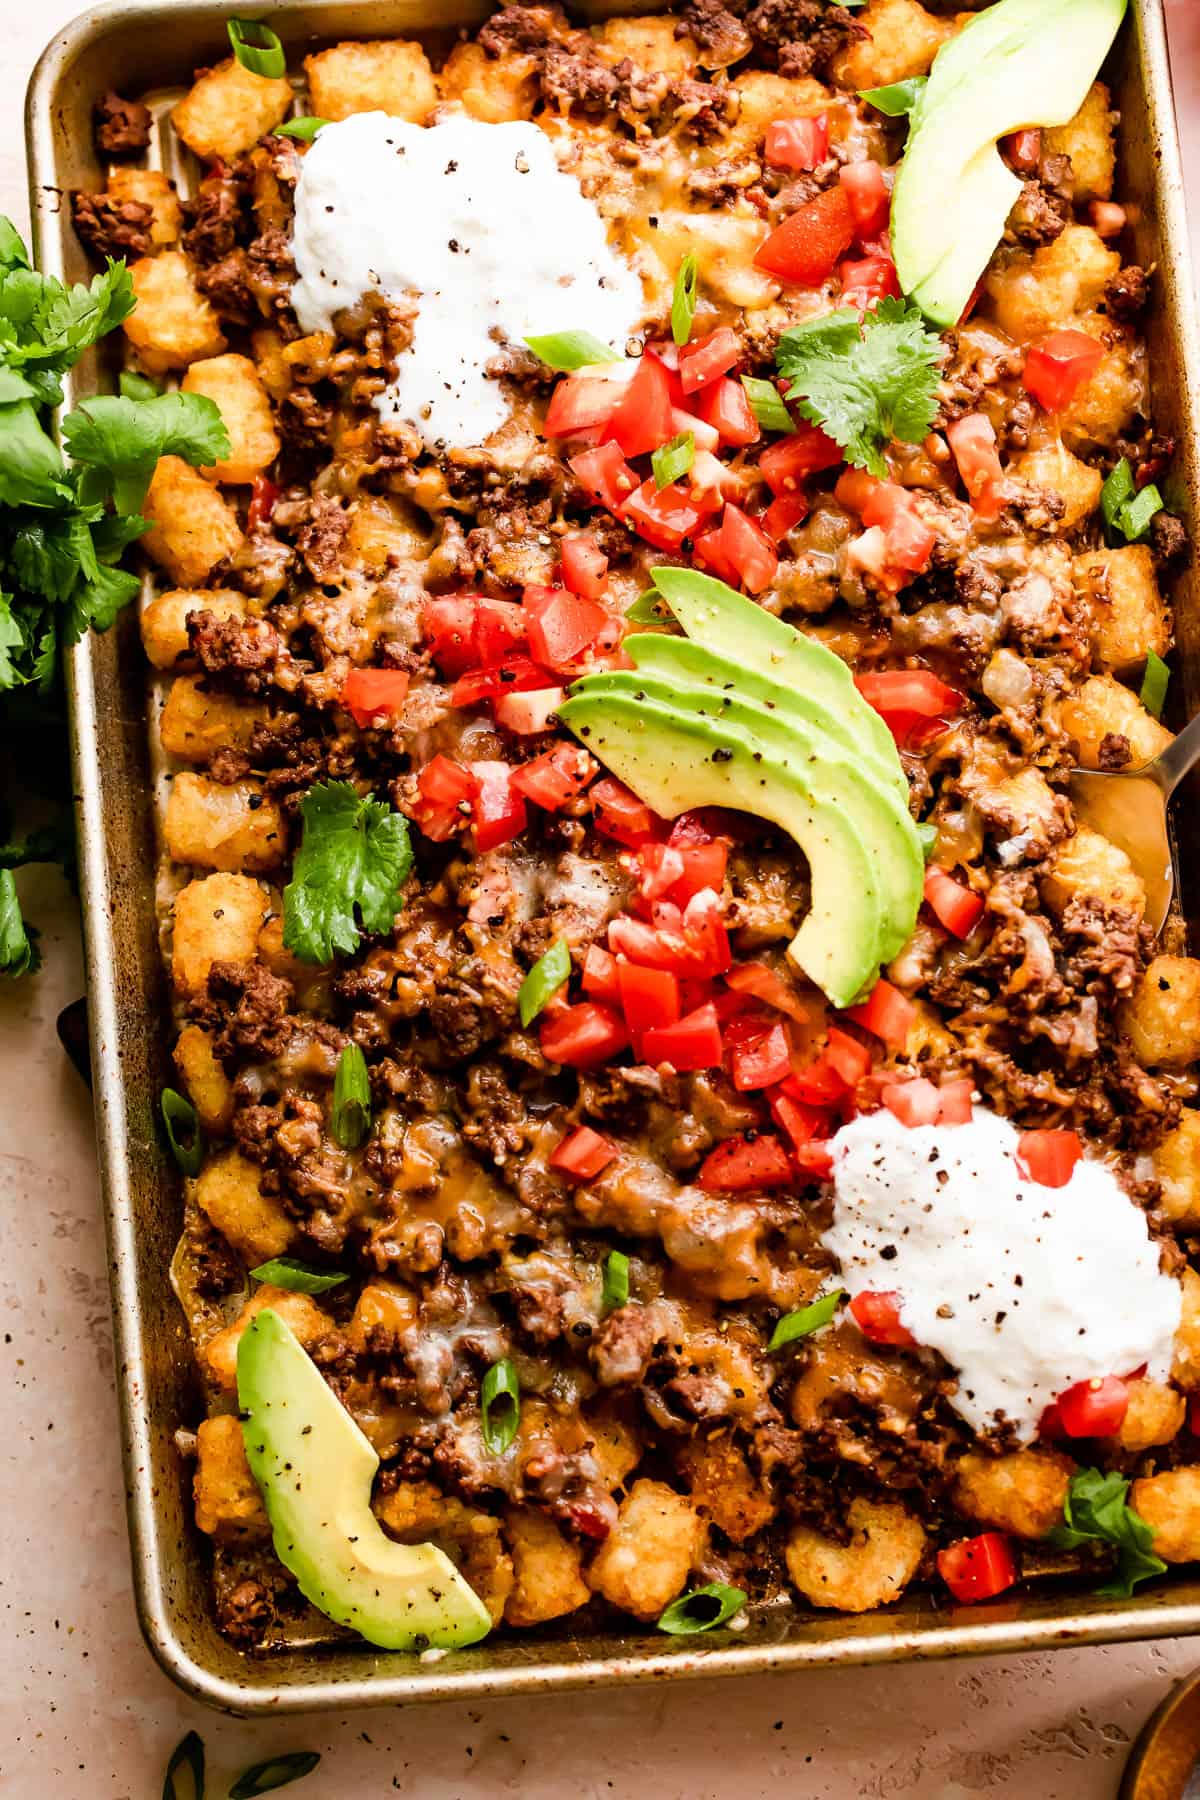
x=479 y=223
x=1025 y=1290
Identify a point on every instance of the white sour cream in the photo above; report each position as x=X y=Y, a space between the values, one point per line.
x=1024 y=1289
x=481 y=226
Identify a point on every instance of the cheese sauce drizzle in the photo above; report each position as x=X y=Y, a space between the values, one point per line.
x=1024 y=1289
x=478 y=225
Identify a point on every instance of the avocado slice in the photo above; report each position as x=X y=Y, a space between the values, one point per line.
x=675 y=760
x=678 y=658
x=315 y=1469
x=1020 y=63
x=881 y=820
x=732 y=626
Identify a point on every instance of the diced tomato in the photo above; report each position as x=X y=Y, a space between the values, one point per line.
x=449 y=625
x=706 y=436
x=582 y=403
x=692 y=943
x=583 y=1035
x=1024 y=149
x=724 y=406
x=916 y=691
x=973 y=441
x=693 y=1042
x=515 y=675
x=373 y=696
x=600 y=975
x=817 y=1084
x=806 y=451
x=712 y=481
x=741 y=1163
x=797 y=143
x=978 y=1568
x=642 y=420
x=661 y=868
x=584 y=565
x=1094 y=1408
x=878 y=1318
x=621 y=815
x=867 y=191
x=703 y=867
x=561 y=625
x=956 y=1100
x=499 y=630
x=869 y=280
x=708 y=555
x=760 y=1058
x=649 y=997
x=909 y=540
x=555 y=776
x=445 y=791
x=795 y=1118
x=702 y=361
x=706 y=824
x=807 y=246
x=954 y=905
x=704 y=929
x=748 y=550
x=583 y=1153
x=815 y=1159
x=855 y=488
x=663 y=516
x=1058 y=364
x=528 y=715
x=887 y=1014
x=497 y=809
x=847 y=1057
x=912 y=1102
x=263 y=495
x=755 y=980
x=783 y=515
x=605 y=474
x=1049 y=1157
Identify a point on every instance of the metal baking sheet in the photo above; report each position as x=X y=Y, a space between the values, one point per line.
x=151 y=47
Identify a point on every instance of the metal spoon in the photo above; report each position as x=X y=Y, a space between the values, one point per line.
x=1129 y=807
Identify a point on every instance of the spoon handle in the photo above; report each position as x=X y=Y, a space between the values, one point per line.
x=1178 y=758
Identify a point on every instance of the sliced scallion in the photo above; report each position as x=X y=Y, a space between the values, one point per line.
x=1154 y=684
x=257 y=48
x=188 y=1754
x=500 y=1405
x=132 y=386
x=304 y=129
x=615 y=1291
x=572 y=350
x=1116 y=492
x=276 y=1772
x=543 y=981
x=1134 y=518
x=897 y=98
x=702 y=1610
x=683 y=300
x=672 y=460
x=766 y=403
x=350 y=1118
x=288 y=1272
x=183 y=1130
x=805 y=1321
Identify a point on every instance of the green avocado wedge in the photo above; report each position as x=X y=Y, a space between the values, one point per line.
x=1019 y=63
x=314 y=1469
x=881 y=820
x=739 y=629
x=676 y=759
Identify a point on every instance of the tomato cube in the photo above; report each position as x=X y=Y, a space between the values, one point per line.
x=562 y=625
x=887 y=1014
x=1094 y=1408
x=584 y=565
x=867 y=192
x=979 y=1568
x=878 y=1318
x=497 y=809
x=1049 y=1157
x=747 y=550
x=743 y=1163
x=373 y=697
x=605 y=474
x=621 y=815
x=912 y=1102
x=760 y=1057
x=807 y=246
x=642 y=419
x=708 y=357
x=555 y=776
x=954 y=905
x=583 y=1154
x=693 y=1042
x=663 y=516
x=1058 y=364
x=797 y=143
x=724 y=406
x=584 y=1035
x=806 y=451
x=581 y=403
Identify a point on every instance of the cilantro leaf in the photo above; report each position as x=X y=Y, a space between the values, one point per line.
x=865 y=381
x=354 y=855
x=19 y=953
x=125 y=438
x=1096 y=1510
x=42 y=322
x=31 y=469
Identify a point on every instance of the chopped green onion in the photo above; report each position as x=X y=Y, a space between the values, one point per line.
x=1117 y=490
x=287 y=1272
x=131 y=386
x=615 y=1292
x=257 y=48
x=803 y=1323
x=766 y=403
x=683 y=300
x=543 y=981
x=672 y=460
x=350 y=1119
x=190 y=1751
x=183 y=1130
x=1154 y=684
x=897 y=98
x=500 y=1405
x=304 y=129
x=276 y=1772
x=649 y=609
x=572 y=350
x=1134 y=518
x=928 y=835
x=702 y=1610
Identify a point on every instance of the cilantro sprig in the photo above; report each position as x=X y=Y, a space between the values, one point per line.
x=1097 y=1511
x=353 y=860
x=865 y=381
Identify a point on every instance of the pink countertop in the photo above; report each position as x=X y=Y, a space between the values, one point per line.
x=85 y=1714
